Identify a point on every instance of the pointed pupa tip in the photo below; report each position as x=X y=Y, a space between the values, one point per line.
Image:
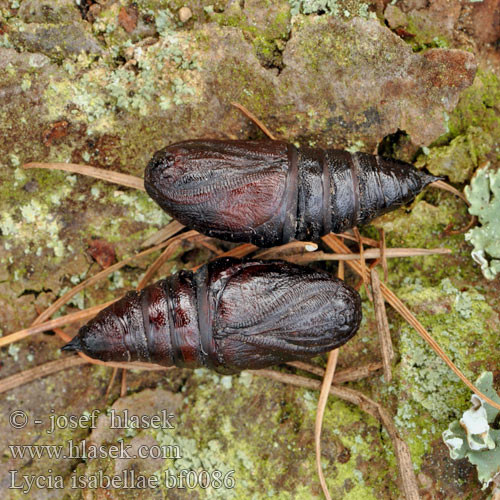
x=73 y=345
x=429 y=178
x=438 y=178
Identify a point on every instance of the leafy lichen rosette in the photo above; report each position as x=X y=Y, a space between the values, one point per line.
x=484 y=197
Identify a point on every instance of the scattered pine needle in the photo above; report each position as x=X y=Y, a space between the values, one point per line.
x=50 y=325
x=372 y=265
x=129 y=365
x=26 y=376
x=318 y=424
x=51 y=367
x=173 y=244
x=211 y=247
x=446 y=187
x=382 y=326
x=110 y=383
x=98 y=173
x=293 y=246
x=123 y=387
x=348 y=375
x=337 y=246
x=371 y=253
x=171 y=229
x=92 y=280
x=407 y=475
x=341 y=270
x=252 y=117
x=237 y=252
x=366 y=241
x=240 y=251
x=355 y=230
x=307 y=367
x=472 y=222
x=323 y=397
x=383 y=252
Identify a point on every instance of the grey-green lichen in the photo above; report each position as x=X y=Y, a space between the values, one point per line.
x=17 y=225
x=162 y=75
x=475 y=437
x=342 y=8
x=261 y=444
x=484 y=197
x=205 y=66
x=31 y=211
x=463 y=324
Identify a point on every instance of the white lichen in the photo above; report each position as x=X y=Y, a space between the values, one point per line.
x=473 y=436
x=484 y=197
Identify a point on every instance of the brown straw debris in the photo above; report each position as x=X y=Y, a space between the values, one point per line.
x=407 y=476
x=337 y=246
x=171 y=229
x=382 y=326
x=320 y=413
x=50 y=325
x=98 y=173
x=253 y=118
x=26 y=376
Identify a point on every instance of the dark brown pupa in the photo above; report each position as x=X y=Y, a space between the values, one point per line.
x=229 y=316
x=269 y=192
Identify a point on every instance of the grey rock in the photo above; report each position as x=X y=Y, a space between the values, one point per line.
x=57 y=40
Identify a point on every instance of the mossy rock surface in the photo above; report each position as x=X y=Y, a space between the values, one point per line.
x=329 y=74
